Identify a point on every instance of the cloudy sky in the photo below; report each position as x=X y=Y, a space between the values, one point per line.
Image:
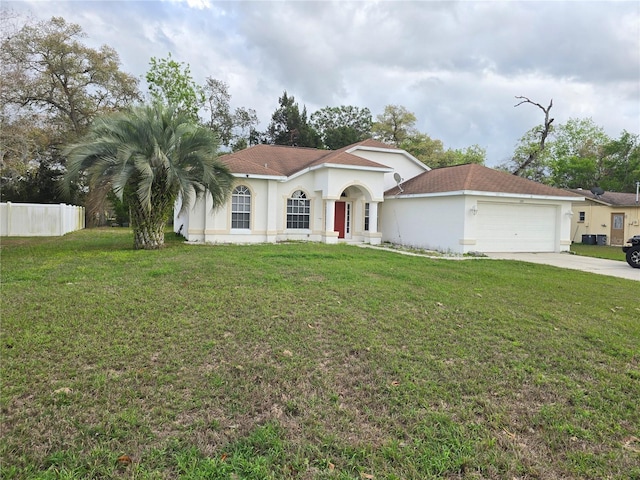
x=458 y=65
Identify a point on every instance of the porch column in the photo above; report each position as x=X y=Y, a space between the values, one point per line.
x=373 y=217
x=330 y=236
x=329 y=215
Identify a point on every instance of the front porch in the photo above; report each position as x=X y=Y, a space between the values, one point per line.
x=353 y=218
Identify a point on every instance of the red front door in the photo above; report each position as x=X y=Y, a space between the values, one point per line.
x=338 y=221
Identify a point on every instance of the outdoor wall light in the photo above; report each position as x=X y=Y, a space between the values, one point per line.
x=474 y=210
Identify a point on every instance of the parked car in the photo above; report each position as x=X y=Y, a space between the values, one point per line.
x=633 y=251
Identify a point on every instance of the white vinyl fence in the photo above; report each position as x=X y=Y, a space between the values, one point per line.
x=39 y=220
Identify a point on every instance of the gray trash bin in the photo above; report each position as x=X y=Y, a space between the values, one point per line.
x=588 y=239
x=601 y=239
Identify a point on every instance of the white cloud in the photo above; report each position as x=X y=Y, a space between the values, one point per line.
x=456 y=65
x=197 y=4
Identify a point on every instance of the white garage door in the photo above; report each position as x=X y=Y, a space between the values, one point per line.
x=515 y=228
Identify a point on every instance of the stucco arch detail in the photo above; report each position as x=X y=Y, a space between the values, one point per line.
x=366 y=192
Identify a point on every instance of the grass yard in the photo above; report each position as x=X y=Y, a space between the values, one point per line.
x=599 y=251
x=308 y=361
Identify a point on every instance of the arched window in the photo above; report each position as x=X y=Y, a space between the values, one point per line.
x=241 y=207
x=298 y=210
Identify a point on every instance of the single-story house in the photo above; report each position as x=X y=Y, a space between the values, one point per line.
x=609 y=218
x=370 y=192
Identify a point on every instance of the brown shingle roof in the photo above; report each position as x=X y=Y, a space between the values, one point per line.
x=271 y=159
x=370 y=142
x=342 y=158
x=278 y=160
x=617 y=199
x=474 y=177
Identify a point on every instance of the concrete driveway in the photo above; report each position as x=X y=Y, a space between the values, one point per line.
x=599 y=266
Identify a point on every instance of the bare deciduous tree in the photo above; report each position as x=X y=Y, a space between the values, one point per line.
x=544 y=133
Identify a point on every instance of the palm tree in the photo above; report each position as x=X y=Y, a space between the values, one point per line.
x=149 y=156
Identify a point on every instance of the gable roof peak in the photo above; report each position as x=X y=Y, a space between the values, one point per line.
x=371 y=143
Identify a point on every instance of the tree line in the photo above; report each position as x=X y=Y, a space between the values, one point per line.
x=576 y=154
x=53 y=87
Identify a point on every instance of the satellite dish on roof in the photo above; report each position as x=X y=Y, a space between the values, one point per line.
x=398 y=179
x=597 y=191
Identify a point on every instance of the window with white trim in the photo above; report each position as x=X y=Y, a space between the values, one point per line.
x=241 y=208
x=366 y=217
x=347 y=219
x=298 y=210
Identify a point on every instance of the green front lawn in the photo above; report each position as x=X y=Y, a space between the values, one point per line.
x=309 y=361
x=599 y=251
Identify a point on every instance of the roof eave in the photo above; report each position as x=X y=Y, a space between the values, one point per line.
x=337 y=165
x=279 y=178
x=596 y=200
x=611 y=204
x=352 y=167
x=487 y=194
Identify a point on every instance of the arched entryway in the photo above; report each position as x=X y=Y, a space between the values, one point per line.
x=352 y=216
x=349 y=211
x=343 y=219
x=343 y=216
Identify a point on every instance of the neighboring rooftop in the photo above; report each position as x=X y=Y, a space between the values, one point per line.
x=617 y=199
x=474 y=177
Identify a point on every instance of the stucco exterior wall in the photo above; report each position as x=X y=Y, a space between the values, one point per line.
x=200 y=223
x=598 y=220
x=451 y=223
x=322 y=186
x=406 y=167
x=434 y=223
x=333 y=181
